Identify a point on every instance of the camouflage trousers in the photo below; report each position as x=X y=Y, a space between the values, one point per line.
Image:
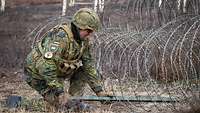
x=76 y=88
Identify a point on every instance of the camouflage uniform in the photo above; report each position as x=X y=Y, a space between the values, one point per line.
x=59 y=56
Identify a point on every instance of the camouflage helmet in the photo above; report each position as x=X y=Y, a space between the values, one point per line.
x=86 y=18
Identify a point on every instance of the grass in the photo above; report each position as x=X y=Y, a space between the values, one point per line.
x=16 y=86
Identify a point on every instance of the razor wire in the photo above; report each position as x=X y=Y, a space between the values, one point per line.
x=161 y=62
x=147 y=50
x=147 y=14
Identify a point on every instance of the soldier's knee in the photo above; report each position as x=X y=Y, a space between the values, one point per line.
x=51 y=95
x=50 y=98
x=76 y=91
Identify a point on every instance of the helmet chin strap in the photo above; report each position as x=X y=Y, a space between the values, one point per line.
x=76 y=33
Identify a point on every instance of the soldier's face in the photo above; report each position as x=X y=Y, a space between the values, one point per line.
x=85 y=33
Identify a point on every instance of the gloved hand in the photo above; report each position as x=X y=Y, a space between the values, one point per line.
x=103 y=94
x=55 y=100
x=63 y=98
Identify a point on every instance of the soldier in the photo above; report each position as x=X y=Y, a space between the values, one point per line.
x=64 y=53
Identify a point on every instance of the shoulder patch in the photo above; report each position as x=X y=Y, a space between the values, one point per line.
x=48 y=55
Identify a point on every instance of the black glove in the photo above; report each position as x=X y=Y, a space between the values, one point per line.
x=104 y=94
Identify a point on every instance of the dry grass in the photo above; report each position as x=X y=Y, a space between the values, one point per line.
x=16 y=86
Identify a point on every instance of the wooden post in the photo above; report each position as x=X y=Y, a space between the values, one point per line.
x=3 y=3
x=184 y=6
x=160 y=3
x=71 y=3
x=64 y=8
x=101 y=5
x=179 y=4
x=95 y=5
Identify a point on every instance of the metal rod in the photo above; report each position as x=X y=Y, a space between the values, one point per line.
x=127 y=98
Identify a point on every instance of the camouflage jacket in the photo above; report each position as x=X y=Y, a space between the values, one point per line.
x=58 y=55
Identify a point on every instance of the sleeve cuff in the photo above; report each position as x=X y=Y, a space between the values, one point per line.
x=55 y=84
x=97 y=89
x=55 y=91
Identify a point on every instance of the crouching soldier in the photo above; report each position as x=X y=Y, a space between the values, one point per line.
x=64 y=53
